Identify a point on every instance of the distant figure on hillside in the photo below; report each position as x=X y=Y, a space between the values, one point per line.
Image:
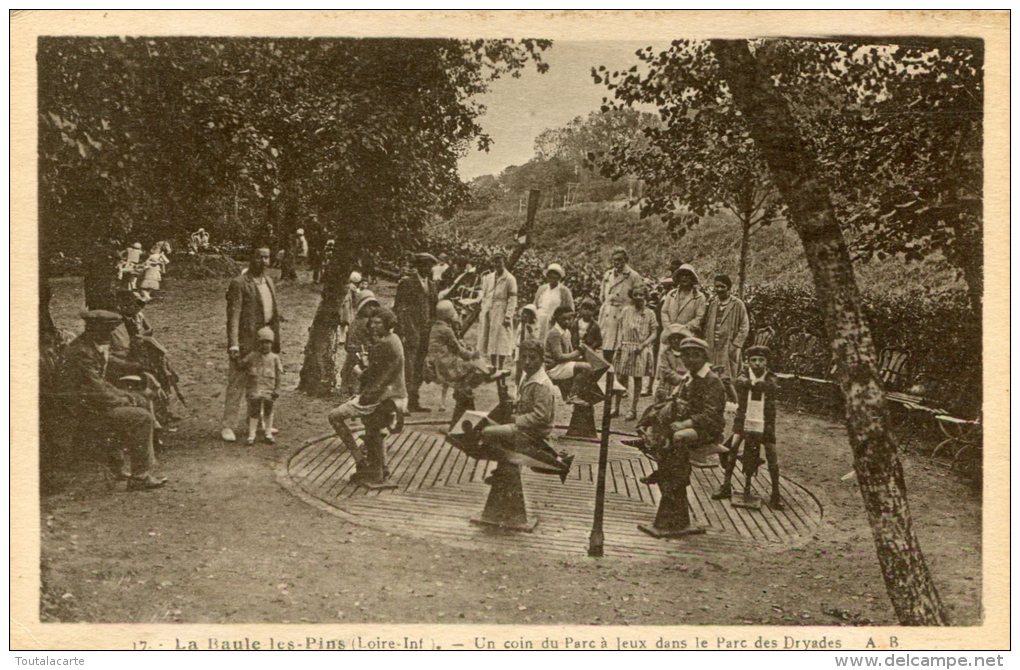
x=551 y=295
x=251 y=305
x=726 y=328
x=496 y=335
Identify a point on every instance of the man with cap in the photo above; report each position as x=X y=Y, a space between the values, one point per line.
x=102 y=407
x=754 y=425
x=692 y=426
x=684 y=305
x=415 y=307
x=726 y=328
x=614 y=296
x=496 y=337
x=251 y=305
x=134 y=352
x=550 y=296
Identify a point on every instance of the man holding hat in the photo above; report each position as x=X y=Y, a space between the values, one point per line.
x=251 y=305
x=415 y=308
x=726 y=328
x=107 y=409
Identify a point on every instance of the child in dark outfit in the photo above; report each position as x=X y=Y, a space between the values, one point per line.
x=754 y=425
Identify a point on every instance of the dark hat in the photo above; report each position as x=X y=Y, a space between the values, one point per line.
x=694 y=343
x=724 y=279
x=758 y=350
x=102 y=317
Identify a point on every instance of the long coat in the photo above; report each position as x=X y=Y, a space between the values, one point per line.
x=245 y=314
x=415 y=307
x=687 y=310
x=615 y=295
x=726 y=328
x=497 y=337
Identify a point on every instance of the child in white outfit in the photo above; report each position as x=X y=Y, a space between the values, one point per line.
x=265 y=371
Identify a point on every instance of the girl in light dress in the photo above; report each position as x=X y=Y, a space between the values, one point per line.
x=633 y=358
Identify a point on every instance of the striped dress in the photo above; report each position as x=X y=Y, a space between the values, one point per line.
x=631 y=359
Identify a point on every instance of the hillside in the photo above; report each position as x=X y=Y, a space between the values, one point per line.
x=587 y=234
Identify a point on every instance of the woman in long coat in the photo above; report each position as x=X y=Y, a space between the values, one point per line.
x=550 y=295
x=497 y=337
x=617 y=284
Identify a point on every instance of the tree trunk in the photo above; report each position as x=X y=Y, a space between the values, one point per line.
x=318 y=371
x=879 y=471
x=745 y=243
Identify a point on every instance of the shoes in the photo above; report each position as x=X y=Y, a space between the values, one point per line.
x=578 y=401
x=567 y=459
x=268 y=438
x=250 y=441
x=146 y=483
x=651 y=479
x=631 y=416
x=227 y=435
x=418 y=409
x=637 y=442
x=723 y=493
x=776 y=503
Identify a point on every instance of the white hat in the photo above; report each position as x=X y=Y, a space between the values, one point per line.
x=300 y=231
x=557 y=268
x=355 y=277
x=136 y=245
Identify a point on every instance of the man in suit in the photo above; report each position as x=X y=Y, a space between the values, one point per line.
x=415 y=307
x=251 y=305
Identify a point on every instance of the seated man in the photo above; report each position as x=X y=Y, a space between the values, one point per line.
x=691 y=422
x=562 y=360
x=382 y=380
x=104 y=407
x=133 y=351
x=533 y=416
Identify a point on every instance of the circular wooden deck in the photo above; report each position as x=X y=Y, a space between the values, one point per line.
x=439 y=489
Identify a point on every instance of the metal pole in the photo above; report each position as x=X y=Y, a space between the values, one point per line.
x=596 y=539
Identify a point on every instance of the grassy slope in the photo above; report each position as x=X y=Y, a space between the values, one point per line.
x=713 y=246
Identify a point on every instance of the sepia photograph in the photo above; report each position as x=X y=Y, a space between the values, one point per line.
x=487 y=332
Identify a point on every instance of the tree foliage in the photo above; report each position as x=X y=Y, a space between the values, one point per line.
x=154 y=137
x=896 y=128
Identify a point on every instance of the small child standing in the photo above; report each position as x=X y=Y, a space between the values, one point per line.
x=754 y=425
x=265 y=371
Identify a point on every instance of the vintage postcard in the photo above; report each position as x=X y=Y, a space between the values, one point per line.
x=528 y=330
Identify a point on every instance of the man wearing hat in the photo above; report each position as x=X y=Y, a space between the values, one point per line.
x=684 y=305
x=726 y=328
x=251 y=305
x=415 y=307
x=102 y=407
x=754 y=425
x=550 y=296
x=694 y=423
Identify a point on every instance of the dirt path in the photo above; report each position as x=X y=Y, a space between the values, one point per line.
x=223 y=542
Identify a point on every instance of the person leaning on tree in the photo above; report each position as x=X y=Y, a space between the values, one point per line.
x=251 y=305
x=415 y=308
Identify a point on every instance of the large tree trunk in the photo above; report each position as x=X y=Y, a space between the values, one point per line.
x=879 y=471
x=745 y=244
x=318 y=372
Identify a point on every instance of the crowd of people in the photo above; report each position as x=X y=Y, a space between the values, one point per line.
x=123 y=381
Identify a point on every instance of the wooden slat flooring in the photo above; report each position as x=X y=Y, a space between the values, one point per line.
x=439 y=489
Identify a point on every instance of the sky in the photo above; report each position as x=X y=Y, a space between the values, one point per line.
x=518 y=110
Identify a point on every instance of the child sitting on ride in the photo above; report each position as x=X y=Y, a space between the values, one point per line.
x=670 y=372
x=449 y=361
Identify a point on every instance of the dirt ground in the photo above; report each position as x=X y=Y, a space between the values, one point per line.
x=223 y=542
